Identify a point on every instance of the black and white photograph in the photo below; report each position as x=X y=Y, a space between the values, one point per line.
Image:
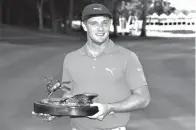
x=97 y=64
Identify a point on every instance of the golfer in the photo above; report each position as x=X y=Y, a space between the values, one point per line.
x=112 y=71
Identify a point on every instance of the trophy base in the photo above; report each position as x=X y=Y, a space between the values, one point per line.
x=64 y=110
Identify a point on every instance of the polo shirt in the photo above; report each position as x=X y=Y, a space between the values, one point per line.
x=112 y=75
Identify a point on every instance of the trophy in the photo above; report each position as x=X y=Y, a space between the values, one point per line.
x=73 y=106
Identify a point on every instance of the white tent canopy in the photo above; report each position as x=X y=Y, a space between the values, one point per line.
x=163 y=16
x=172 y=16
x=154 y=15
x=181 y=15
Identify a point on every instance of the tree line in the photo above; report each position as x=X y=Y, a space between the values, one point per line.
x=43 y=14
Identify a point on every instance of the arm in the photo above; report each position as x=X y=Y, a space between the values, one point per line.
x=139 y=99
x=136 y=81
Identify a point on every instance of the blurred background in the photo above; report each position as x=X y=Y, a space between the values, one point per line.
x=131 y=17
x=35 y=36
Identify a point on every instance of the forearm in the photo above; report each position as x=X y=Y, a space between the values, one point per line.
x=134 y=102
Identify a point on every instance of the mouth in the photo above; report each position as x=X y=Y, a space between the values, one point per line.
x=100 y=34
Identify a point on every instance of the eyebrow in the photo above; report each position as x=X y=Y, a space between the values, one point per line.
x=106 y=19
x=101 y=21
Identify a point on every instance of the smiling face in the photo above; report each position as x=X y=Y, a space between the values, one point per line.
x=97 y=29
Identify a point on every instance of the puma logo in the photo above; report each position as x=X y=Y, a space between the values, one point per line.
x=110 y=70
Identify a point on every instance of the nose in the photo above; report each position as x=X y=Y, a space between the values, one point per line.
x=100 y=28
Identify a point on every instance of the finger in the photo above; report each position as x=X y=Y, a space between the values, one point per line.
x=50 y=118
x=46 y=115
x=95 y=116
x=100 y=118
x=33 y=113
x=40 y=114
x=47 y=119
x=92 y=117
x=37 y=114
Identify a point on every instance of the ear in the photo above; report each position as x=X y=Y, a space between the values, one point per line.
x=111 y=22
x=84 y=26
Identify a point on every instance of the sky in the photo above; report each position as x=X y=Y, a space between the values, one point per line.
x=184 y=4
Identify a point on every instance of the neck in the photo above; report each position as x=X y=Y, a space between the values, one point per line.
x=95 y=49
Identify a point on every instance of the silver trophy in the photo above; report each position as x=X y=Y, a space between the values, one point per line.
x=74 y=106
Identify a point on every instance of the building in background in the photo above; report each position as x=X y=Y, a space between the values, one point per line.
x=171 y=22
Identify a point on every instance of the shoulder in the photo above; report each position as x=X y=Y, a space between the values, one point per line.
x=127 y=52
x=72 y=55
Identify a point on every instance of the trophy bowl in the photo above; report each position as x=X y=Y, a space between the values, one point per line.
x=74 y=106
x=65 y=107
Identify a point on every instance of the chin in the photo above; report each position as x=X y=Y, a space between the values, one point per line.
x=99 y=42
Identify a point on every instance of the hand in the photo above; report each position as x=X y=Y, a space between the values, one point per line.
x=45 y=117
x=103 y=111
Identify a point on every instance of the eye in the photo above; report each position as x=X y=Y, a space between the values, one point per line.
x=92 y=23
x=105 y=22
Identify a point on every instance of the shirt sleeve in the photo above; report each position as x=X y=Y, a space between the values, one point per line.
x=134 y=72
x=66 y=77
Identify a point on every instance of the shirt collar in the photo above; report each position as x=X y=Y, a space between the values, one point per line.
x=110 y=47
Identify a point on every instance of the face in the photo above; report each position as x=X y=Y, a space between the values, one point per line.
x=97 y=29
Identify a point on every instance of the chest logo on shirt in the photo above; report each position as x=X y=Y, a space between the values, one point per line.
x=110 y=70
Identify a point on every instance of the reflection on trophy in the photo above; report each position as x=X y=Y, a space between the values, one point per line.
x=73 y=106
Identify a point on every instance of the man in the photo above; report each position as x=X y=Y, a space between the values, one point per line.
x=111 y=71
